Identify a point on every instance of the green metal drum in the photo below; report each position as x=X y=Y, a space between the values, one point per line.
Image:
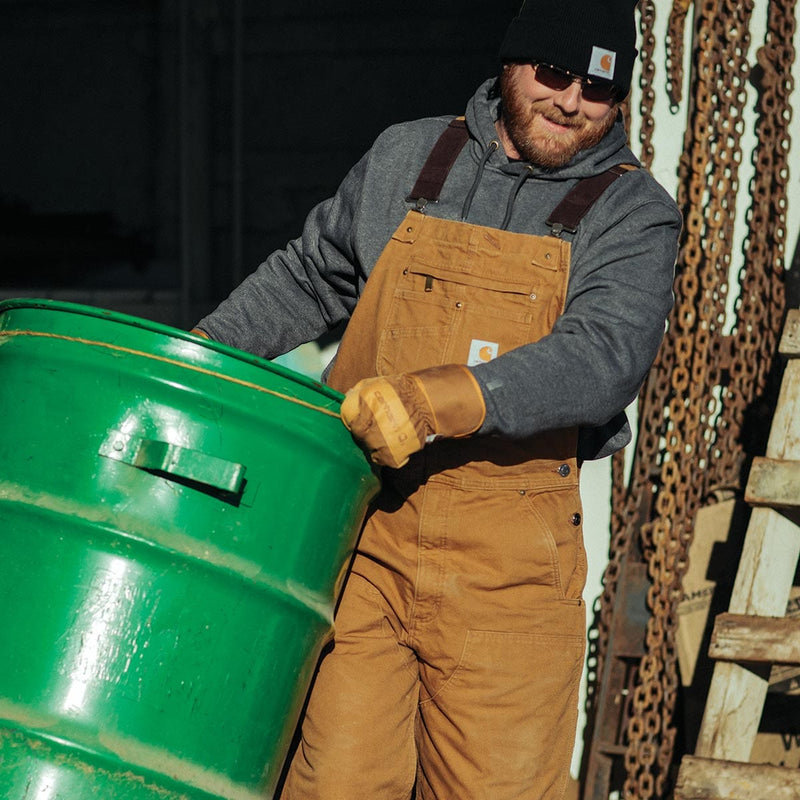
x=176 y=518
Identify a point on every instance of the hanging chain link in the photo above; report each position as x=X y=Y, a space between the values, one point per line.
x=694 y=409
x=624 y=508
x=647 y=17
x=675 y=29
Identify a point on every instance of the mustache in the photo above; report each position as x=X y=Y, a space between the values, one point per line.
x=555 y=116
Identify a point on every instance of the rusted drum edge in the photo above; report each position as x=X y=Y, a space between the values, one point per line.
x=33 y=763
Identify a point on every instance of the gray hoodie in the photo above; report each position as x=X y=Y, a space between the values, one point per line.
x=620 y=290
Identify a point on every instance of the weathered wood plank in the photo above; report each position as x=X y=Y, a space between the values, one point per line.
x=768 y=640
x=790 y=340
x=705 y=779
x=733 y=710
x=762 y=587
x=773 y=482
x=784 y=432
x=767 y=565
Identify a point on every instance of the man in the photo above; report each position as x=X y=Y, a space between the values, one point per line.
x=496 y=334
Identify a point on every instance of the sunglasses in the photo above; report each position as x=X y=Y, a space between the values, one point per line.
x=595 y=91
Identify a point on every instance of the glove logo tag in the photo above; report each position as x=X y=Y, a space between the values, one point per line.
x=481 y=351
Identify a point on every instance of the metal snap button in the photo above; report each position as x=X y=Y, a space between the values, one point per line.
x=576 y=519
x=564 y=470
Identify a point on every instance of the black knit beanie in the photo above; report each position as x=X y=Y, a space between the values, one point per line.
x=592 y=38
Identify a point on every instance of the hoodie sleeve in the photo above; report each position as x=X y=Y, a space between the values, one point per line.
x=592 y=364
x=302 y=291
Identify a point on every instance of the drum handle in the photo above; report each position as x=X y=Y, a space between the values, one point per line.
x=173 y=462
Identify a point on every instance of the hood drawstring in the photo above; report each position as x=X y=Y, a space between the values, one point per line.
x=521 y=178
x=493 y=146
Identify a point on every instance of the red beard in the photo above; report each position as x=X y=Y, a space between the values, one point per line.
x=536 y=142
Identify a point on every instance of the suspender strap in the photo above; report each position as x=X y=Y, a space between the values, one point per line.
x=571 y=210
x=435 y=170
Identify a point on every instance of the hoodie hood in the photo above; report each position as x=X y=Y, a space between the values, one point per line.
x=483 y=111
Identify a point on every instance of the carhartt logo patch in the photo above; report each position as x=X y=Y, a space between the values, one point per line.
x=602 y=63
x=480 y=352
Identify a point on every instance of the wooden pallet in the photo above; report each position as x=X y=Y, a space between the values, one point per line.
x=755 y=634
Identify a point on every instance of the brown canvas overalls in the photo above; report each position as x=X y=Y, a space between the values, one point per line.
x=460 y=634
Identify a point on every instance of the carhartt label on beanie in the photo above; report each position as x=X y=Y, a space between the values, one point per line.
x=602 y=63
x=592 y=38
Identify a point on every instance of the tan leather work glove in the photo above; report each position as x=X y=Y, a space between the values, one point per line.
x=398 y=415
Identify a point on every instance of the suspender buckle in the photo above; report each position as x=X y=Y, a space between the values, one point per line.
x=420 y=203
x=557 y=228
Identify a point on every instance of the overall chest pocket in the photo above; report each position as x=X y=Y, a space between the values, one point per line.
x=442 y=316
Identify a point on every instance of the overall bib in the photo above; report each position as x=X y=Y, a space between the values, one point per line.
x=459 y=638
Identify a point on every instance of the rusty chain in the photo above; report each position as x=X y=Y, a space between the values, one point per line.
x=598 y=634
x=675 y=29
x=624 y=508
x=694 y=407
x=647 y=16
